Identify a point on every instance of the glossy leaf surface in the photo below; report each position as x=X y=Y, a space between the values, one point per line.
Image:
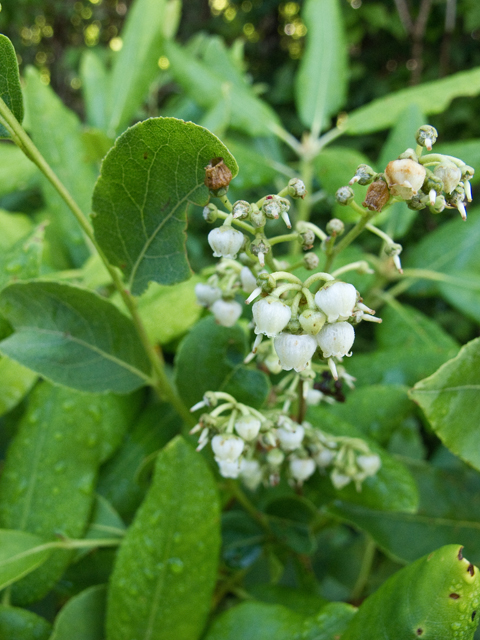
x=211 y=358
x=153 y=172
x=166 y=566
x=73 y=337
x=20 y=624
x=10 y=89
x=20 y=554
x=83 y=617
x=450 y=398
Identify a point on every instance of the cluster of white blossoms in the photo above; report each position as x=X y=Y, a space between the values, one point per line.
x=302 y=324
x=255 y=446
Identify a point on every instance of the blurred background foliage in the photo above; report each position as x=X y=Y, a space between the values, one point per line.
x=391 y=44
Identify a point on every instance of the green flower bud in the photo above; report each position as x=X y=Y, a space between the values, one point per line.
x=418 y=202
x=240 y=209
x=306 y=239
x=439 y=204
x=257 y=217
x=271 y=207
x=426 y=136
x=456 y=199
x=363 y=175
x=296 y=188
x=335 y=227
x=311 y=261
x=408 y=154
x=259 y=247
x=344 y=195
x=210 y=213
x=312 y=321
x=393 y=249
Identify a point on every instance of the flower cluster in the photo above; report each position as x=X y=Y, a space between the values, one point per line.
x=301 y=323
x=436 y=181
x=255 y=446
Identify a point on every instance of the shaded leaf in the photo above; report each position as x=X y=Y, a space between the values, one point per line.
x=450 y=399
x=430 y=97
x=22 y=260
x=82 y=618
x=169 y=556
x=321 y=82
x=10 y=89
x=417 y=601
x=20 y=553
x=94 y=89
x=17 y=172
x=210 y=358
x=20 y=624
x=15 y=382
x=153 y=172
x=242 y=539
x=72 y=336
x=299 y=600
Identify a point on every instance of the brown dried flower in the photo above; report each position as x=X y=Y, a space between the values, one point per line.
x=377 y=196
x=217 y=174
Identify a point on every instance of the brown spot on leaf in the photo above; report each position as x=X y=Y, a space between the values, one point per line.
x=454 y=596
x=145 y=155
x=471 y=569
x=460 y=554
x=419 y=632
x=474 y=613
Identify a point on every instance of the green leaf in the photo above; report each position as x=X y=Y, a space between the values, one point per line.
x=22 y=261
x=118 y=480
x=47 y=485
x=104 y=523
x=449 y=510
x=135 y=67
x=82 y=618
x=392 y=488
x=257 y=168
x=94 y=89
x=166 y=566
x=15 y=226
x=10 y=89
x=20 y=624
x=72 y=336
x=153 y=172
x=15 y=382
x=17 y=172
x=258 y=621
x=291 y=519
x=466 y=150
x=450 y=400
x=20 y=553
x=299 y=600
x=210 y=358
x=435 y=598
x=56 y=131
x=430 y=97
x=207 y=86
x=321 y=85
x=169 y=312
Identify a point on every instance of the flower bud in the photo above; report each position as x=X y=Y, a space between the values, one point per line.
x=449 y=174
x=311 y=261
x=251 y=474
x=275 y=457
x=229 y=468
x=344 y=195
x=207 y=294
x=257 y=217
x=418 y=202
x=312 y=321
x=393 y=249
x=248 y=280
x=370 y=464
x=314 y=397
x=339 y=480
x=210 y=213
x=225 y=241
x=292 y=438
x=271 y=316
x=426 y=136
x=439 y=204
x=306 y=239
x=217 y=176
x=240 y=209
x=302 y=468
x=336 y=339
x=227 y=447
x=335 y=227
x=377 y=196
x=336 y=300
x=272 y=363
x=324 y=457
x=363 y=175
x=457 y=199
x=226 y=312
x=294 y=352
x=296 y=188
x=271 y=207
x=248 y=427
x=259 y=247
x=405 y=177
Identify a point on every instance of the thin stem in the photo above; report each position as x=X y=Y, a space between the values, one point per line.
x=353 y=266
x=288 y=237
x=378 y=232
x=239 y=223
x=320 y=275
x=156 y=358
x=350 y=237
x=249 y=507
x=328 y=137
x=290 y=140
x=365 y=569
x=224 y=199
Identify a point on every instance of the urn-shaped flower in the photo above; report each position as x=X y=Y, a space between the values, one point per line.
x=271 y=316
x=226 y=312
x=225 y=241
x=336 y=300
x=336 y=339
x=294 y=352
x=405 y=177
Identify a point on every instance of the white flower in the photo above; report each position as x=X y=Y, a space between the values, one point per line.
x=248 y=280
x=339 y=480
x=227 y=447
x=229 y=468
x=336 y=339
x=369 y=463
x=207 y=294
x=292 y=438
x=324 y=457
x=294 y=352
x=225 y=241
x=270 y=315
x=301 y=468
x=248 y=427
x=336 y=300
x=251 y=474
x=226 y=312
x=449 y=174
x=405 y=177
